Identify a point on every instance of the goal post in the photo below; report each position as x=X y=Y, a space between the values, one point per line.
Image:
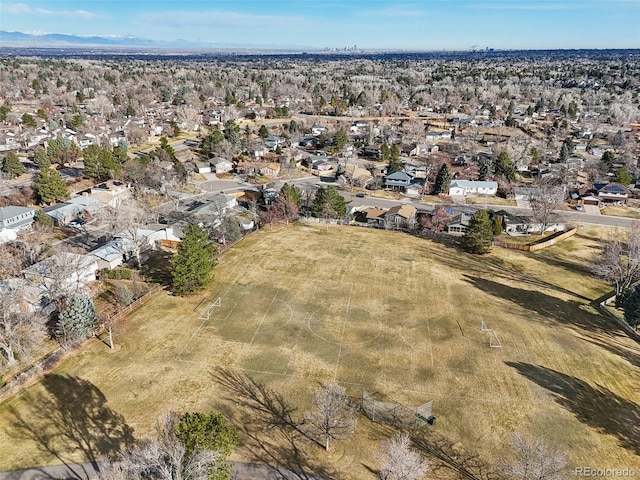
x=205 y=314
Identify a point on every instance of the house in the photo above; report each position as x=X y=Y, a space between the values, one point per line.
x=423 y=149
x=469 y=187
x=16 y=218
x=202 y=167
x=459 y=224
x=29 y=298
x=110 y=255
x=317 y=130
x=220 y=165
x=273 y=141
x=62 y=273
x=398 y=180
x=515 y=225
x=270 y=170
x=612 y=193
x=375 y=217
x=109 y=193
x=401 y=215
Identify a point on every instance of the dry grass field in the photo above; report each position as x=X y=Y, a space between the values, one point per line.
x=397 y=315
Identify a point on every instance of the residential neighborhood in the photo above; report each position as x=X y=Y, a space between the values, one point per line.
x=123 y=179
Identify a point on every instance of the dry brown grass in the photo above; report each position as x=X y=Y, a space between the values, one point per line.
x=388 y=312
x=626 y=212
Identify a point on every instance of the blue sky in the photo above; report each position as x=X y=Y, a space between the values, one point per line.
x=371 y=24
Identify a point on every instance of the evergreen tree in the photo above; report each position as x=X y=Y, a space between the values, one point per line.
x=29 y=121
x=485 y=169
x=50 y=187
x=99 y=163
x=193 y=263
x=12 y=165
x=608 y=161
x=623 y=177
x=503 y=166
x=443 y=180
x=631 y=307
x=479 y=234
x=263 y=131
x=328 y=198
x=292 y=193
x=43 y=219
x=395 y=163
x=62 y=150
x=42 y=159
x=201 y=431
x=77 y=320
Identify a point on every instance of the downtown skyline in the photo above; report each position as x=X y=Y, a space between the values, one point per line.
x=378 y=24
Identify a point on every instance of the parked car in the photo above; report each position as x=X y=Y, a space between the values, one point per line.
x=361 y=194
x=77 y=223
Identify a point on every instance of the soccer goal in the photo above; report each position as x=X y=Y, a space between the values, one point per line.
x=494 y=341
x=205 y=313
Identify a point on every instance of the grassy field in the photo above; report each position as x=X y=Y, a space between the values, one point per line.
x=397 y=315
x=627 y=212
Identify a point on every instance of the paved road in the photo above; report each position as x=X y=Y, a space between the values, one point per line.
x=83 y=471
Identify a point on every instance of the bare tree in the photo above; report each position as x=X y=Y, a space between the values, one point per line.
x=400 y=462
x=619 y=261
x=163 y=457
x=20 y=330
x=333 y=416
x=534 y=459
x=287 y=208
x=270 y=216
x=126 y=221
x=545 y=200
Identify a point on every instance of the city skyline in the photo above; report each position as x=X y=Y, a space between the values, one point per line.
x=381 y=24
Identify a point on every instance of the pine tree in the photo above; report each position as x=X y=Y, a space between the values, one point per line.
x=77 y=320
x=201 y=431
x=395 y=163
x=632 y=307
x=443 y=180
x=50 y=187
x=99 y=163
x=42 y=159
x=12 y=165
x=292 y=192
x=503 y=166
x=328 y=200
x=479 y=234
x=193 y=263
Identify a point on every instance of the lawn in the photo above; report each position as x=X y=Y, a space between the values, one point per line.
x=396 y=315
x=627 y=212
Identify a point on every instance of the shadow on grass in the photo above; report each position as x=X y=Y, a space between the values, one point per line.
x=71 y=417
x=157 y=267
x=564 y=312
x=445 y=458
x=271 y=433
x=611 y=343
x=598 y=407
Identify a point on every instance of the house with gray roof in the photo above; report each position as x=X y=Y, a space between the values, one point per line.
x=16 y=218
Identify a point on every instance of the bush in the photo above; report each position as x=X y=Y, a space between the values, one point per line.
x=122 y=273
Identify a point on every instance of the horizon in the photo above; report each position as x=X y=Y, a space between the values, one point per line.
x=434 y=25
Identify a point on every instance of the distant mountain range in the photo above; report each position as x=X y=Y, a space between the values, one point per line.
x=57 y=40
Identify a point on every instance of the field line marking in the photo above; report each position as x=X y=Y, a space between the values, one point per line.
x=344 y=328
x=430 y=341
x=199 y=327
x=263 y=318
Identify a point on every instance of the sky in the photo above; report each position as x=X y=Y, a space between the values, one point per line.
x=368 y=24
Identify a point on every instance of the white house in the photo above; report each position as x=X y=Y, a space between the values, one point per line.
x=62 y=273
x=110 y=255
x=470 y=187
x=220 y=165
x=16 y=218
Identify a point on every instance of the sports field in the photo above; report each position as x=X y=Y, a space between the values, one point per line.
x=393 y=314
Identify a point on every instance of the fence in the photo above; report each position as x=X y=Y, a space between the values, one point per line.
x=604 y=309
x=136 y=304
x=539 y=245
x=396 y=414
x=48 y=362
